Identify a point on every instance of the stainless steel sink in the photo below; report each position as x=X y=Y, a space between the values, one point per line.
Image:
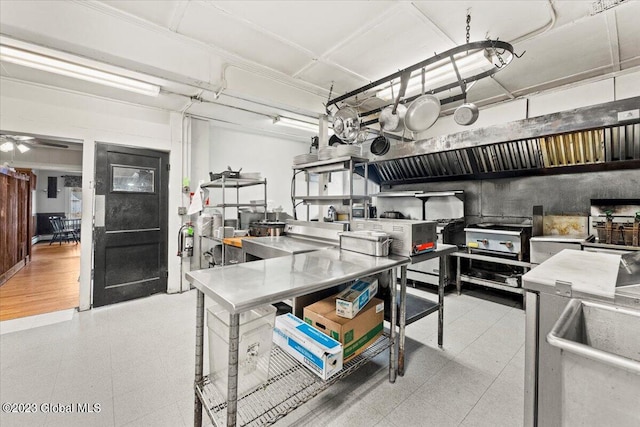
x=600 y=353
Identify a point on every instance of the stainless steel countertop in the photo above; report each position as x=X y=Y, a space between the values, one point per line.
x=291 y=245
x=580 y=266
x=241 y=287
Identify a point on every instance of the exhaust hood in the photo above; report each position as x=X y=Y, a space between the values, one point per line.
x=601 y=137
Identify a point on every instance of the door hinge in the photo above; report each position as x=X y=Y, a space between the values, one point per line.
x=168 y=167
x=92 y=273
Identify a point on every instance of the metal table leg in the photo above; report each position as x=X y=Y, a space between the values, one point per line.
x=403 y=318
x=232 y=379
x=458 y=282
x=393 y=287
x=197 y=411
x=441 y=284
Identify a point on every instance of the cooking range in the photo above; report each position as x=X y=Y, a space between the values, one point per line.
x=508 y=242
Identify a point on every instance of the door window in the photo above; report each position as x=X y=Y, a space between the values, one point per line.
x=132 y=179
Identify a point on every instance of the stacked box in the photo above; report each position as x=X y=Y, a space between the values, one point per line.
x=315 y=350
x=355 y=334
x=353 y=299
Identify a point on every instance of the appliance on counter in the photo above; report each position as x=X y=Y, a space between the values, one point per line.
x=616 y=225
x=301 y=237
x=446 y=208
x=410 y=237
x=498 y=241
x=359 y=211
x=510 y=240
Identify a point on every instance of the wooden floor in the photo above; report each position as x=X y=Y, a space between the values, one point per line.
x=48 y=283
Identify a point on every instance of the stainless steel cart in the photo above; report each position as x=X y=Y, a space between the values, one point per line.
x=244 y=286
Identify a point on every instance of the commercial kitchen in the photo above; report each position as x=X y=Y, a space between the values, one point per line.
x=321 y=213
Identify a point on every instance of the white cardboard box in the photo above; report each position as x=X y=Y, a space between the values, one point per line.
x=353 y=299
x=317 y=351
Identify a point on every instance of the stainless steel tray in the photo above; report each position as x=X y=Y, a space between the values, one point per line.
x=366 y=242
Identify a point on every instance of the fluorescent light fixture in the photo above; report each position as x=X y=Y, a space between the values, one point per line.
x=6 y=147
x=71 y=69
x=23 y=148
x=442 y=73
x=297 y=124
x=22 y=138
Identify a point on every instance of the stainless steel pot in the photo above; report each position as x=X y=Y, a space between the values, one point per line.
x=390 y=122
x=346 y=124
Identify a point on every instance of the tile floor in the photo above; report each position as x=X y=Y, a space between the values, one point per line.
x=135 y=360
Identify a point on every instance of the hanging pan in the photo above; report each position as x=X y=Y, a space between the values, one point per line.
x=391 y=118
x=380 y=146
x=466 y=114
x=423 y=111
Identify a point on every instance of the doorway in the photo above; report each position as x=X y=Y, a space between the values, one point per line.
x=49 y=280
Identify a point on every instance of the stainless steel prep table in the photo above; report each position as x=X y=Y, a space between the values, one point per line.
x=442 y=252
x=244 y=286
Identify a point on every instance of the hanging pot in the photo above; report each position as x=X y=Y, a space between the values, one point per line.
x=380 y=146
x=423 y=111
x=390 y=122
x=466 y=114
x=346 y=124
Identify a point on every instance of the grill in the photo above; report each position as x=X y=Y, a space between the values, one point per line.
x=509 y=240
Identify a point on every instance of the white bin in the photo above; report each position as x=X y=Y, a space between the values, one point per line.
x=254 y=347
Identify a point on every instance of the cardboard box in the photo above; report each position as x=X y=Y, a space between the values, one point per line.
x=355 y=334
x=317 y=351
x=353 y=299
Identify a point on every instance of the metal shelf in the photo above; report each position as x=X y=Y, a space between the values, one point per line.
x=325 y=200
x=491 y=284
x=233 y=183
x=331 y=165
x=239 y=205
x=289 y=386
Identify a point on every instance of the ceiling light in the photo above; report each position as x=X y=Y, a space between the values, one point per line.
x=442 y=73
x=297 y=124
x=71 y=69
x=6 y=147
x=23 y=148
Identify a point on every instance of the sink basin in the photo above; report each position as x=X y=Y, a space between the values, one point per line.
x=600 y=363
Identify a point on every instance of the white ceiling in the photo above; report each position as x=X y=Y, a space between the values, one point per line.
x=287 y=54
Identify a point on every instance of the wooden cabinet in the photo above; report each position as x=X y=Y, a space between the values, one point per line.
x=15 y=220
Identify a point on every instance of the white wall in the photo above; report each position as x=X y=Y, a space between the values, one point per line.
x=43 y=202
x=269 y=155
x=47 y=111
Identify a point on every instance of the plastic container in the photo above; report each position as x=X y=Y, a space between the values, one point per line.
x=254 y=347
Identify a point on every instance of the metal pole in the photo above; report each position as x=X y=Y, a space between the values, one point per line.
x=441 y=284
x=232 y=379
x=197 y=411
x=458 y=282
x=392 y=331
x=403 y=318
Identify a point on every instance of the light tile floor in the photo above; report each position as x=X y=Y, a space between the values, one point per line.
x=136 y=360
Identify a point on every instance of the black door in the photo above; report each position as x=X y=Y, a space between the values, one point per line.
x=130 y=228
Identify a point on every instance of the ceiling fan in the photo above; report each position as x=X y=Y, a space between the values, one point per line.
x=24 y=143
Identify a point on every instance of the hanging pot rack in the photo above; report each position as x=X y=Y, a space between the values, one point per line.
x=498 y=47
